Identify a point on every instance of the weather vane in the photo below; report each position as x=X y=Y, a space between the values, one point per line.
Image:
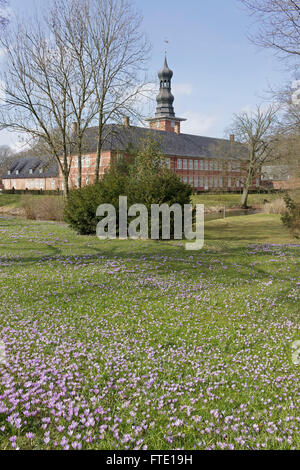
x=166 y=49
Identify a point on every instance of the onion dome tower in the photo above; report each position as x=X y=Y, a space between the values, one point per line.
x=165 y=119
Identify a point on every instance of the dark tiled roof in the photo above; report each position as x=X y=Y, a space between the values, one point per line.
x=119 y=138
x=181 y=145
x=24 y=165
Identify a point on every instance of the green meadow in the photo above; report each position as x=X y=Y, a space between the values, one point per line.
x=144 y=345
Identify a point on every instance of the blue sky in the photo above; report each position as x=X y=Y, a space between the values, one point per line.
x=217 y=71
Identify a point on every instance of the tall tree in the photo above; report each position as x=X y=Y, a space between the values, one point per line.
x=258 y=130
x=279 y=25
x=118 y=51
x=35 y=84
x=3 y=14
x=78 y=62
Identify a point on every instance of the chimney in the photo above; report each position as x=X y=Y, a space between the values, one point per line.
x=74 y=128
x=177 y=128
x=126 y=121
x=232 y=138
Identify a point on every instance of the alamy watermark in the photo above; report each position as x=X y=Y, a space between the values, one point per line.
x=154 y=225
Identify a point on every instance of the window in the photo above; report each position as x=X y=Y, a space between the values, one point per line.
x=53 y=184
x=157 y=124
x=206 y=165
x=257 y=182
x=76 y=162
x=41 y=170
x=200 y=164
x=216 y=181
x=37 y=184
x=191 y=166
x=206 y=182
x=211 y=165
x=201 y=182
x=191 y=180
x=87 y=180
x=185 y=179
x=235 y=166
x=216 y=165
x=237 y=183
x=196 y=181
x=196 y=164
x=168 y=163
x=87 y=161
x=229 y=182
x=172 y=124
x=179 y=163
x=17 y=172
x=31 y=184
x=7 y=184
x=30 y=171
x=221 y=182
x=185 y=164
x=8 y=172
x=42 y=184
x=211 y=181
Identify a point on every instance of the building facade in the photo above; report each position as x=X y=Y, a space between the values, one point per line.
x=205 y=163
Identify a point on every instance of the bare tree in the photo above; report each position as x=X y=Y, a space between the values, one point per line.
x=5 y=158
x=3 y=15
x=258 y=130
x=68 y=22
x=37 y=103
x=279 y=25
x=78 y=63
x=118 y=50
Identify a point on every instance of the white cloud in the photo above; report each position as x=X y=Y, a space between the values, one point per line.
x=182 y=89
x=198 y=123
x=13 y=140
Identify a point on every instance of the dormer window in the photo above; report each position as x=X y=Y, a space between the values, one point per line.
x=17 y=172
x=30 y=171
x=8 y=172
x=41 y=170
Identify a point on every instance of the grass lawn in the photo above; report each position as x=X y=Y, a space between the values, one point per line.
x=143 y=345
x=232 y=200
x=11 y=200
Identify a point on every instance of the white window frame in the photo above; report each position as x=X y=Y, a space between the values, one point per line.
x=179 y=164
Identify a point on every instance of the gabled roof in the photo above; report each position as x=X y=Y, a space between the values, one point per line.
x=119 y=137
x=24 y=165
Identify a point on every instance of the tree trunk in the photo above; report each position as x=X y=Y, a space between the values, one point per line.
x=98 y=158
x=244 y=199
x=79 y=168
x=66 y=184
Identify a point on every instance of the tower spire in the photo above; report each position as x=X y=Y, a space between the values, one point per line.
x=165 y=119
x=165 y=99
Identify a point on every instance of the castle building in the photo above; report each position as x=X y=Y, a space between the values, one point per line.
x=207 y=164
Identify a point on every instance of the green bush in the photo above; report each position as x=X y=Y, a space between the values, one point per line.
x=147 y=182
x=291 y=219
x=81 y=205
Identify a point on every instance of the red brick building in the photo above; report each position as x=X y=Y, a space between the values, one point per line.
x=206 y=163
